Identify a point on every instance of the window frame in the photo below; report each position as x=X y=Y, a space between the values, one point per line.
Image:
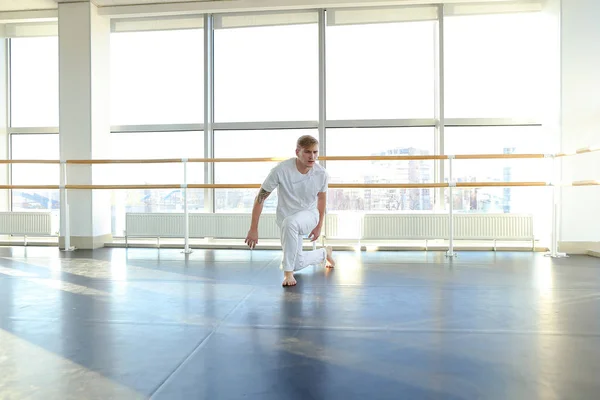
x=439 y=122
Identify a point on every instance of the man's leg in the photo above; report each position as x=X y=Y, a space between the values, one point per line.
x=293 y=229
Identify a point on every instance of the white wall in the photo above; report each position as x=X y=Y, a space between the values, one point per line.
x=580 y=115
x=4 y=153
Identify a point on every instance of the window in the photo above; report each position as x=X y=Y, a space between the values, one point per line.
x=380 y=141
x=498 y=140
x=34 y=82
x=253 y=144
x=380 y=71
x=493 y=65
x=157 y=77
x=152 y=145
x=267 y=73
x=35 y=147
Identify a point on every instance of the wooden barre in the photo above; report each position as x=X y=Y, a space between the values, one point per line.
x=386 y=185
x=382 y=158
x=586 y=183
x=47 y=187
x=323 y=158
x=587 y=150
x=497 y=156
x=499 y=184
x=29 y=162
x=583 y=150
x=128 y=161
x=278 y=159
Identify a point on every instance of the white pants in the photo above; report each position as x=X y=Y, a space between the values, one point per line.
x=293 y=229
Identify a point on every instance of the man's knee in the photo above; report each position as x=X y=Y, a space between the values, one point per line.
x=290 y=224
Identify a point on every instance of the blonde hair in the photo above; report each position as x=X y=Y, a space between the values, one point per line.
x=305 y=141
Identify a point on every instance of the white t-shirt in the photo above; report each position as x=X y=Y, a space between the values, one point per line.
x=296 y=191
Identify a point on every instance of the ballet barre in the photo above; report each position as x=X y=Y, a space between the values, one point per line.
x=451 y=184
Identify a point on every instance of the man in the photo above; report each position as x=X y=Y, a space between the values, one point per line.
x=302 y=185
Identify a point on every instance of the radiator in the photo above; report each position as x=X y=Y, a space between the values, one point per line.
x=405 y=226
x=436 y=226
x=338 y=226
x=26 y=223
x=494 y=226
x=155 y=225
x=343 y=226
x=230 y=226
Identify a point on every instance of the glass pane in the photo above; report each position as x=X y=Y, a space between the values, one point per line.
x=267 y=73
x=254 y=144
x=499 y=140
x=34 y=81
x=492 y=65
x=35 y=147
x=380 y=141
x=152 y=145
x=380 y=71
x=157 y=77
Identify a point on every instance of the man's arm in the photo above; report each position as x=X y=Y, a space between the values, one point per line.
x=252 y=237
x=258 y=207
x=321 y=204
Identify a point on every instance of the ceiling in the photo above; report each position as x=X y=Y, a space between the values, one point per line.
x=103 y=3
x=106 y=3
x=28 y=5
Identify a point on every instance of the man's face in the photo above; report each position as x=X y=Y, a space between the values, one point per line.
x=308 y=155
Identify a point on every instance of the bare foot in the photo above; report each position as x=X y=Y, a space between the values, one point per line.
x=330 y=261
x=288 y=279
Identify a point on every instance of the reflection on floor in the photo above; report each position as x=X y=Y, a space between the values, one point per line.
x=216 y=324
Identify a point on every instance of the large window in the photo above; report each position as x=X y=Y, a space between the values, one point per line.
x=498 y=140
x=244 y=144
x=157 y=77
x=380 y=65
x=266 y=73
x=34 y=81
x=153 y=145
x=492 y=65
x=380 y=71
x=380 y=142
x=35 y=147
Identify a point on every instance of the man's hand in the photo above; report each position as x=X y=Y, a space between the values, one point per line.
x=315 y=233
x=252 y=238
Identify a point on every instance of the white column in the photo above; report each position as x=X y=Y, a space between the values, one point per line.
x=439 y=167
x=84 y=69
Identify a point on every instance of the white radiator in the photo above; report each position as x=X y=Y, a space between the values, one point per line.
x=405 y=226
x=343 y=226
x=435 y=226
x=338 y=226
x=493 y=226
x=229 y=226
x=26 y=223
x=155 y=225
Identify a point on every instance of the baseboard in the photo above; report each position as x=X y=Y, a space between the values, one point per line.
x=86 y=242
x=583 y=248
x=594 y=253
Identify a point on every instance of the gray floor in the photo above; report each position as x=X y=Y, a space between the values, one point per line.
x=140 y=323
